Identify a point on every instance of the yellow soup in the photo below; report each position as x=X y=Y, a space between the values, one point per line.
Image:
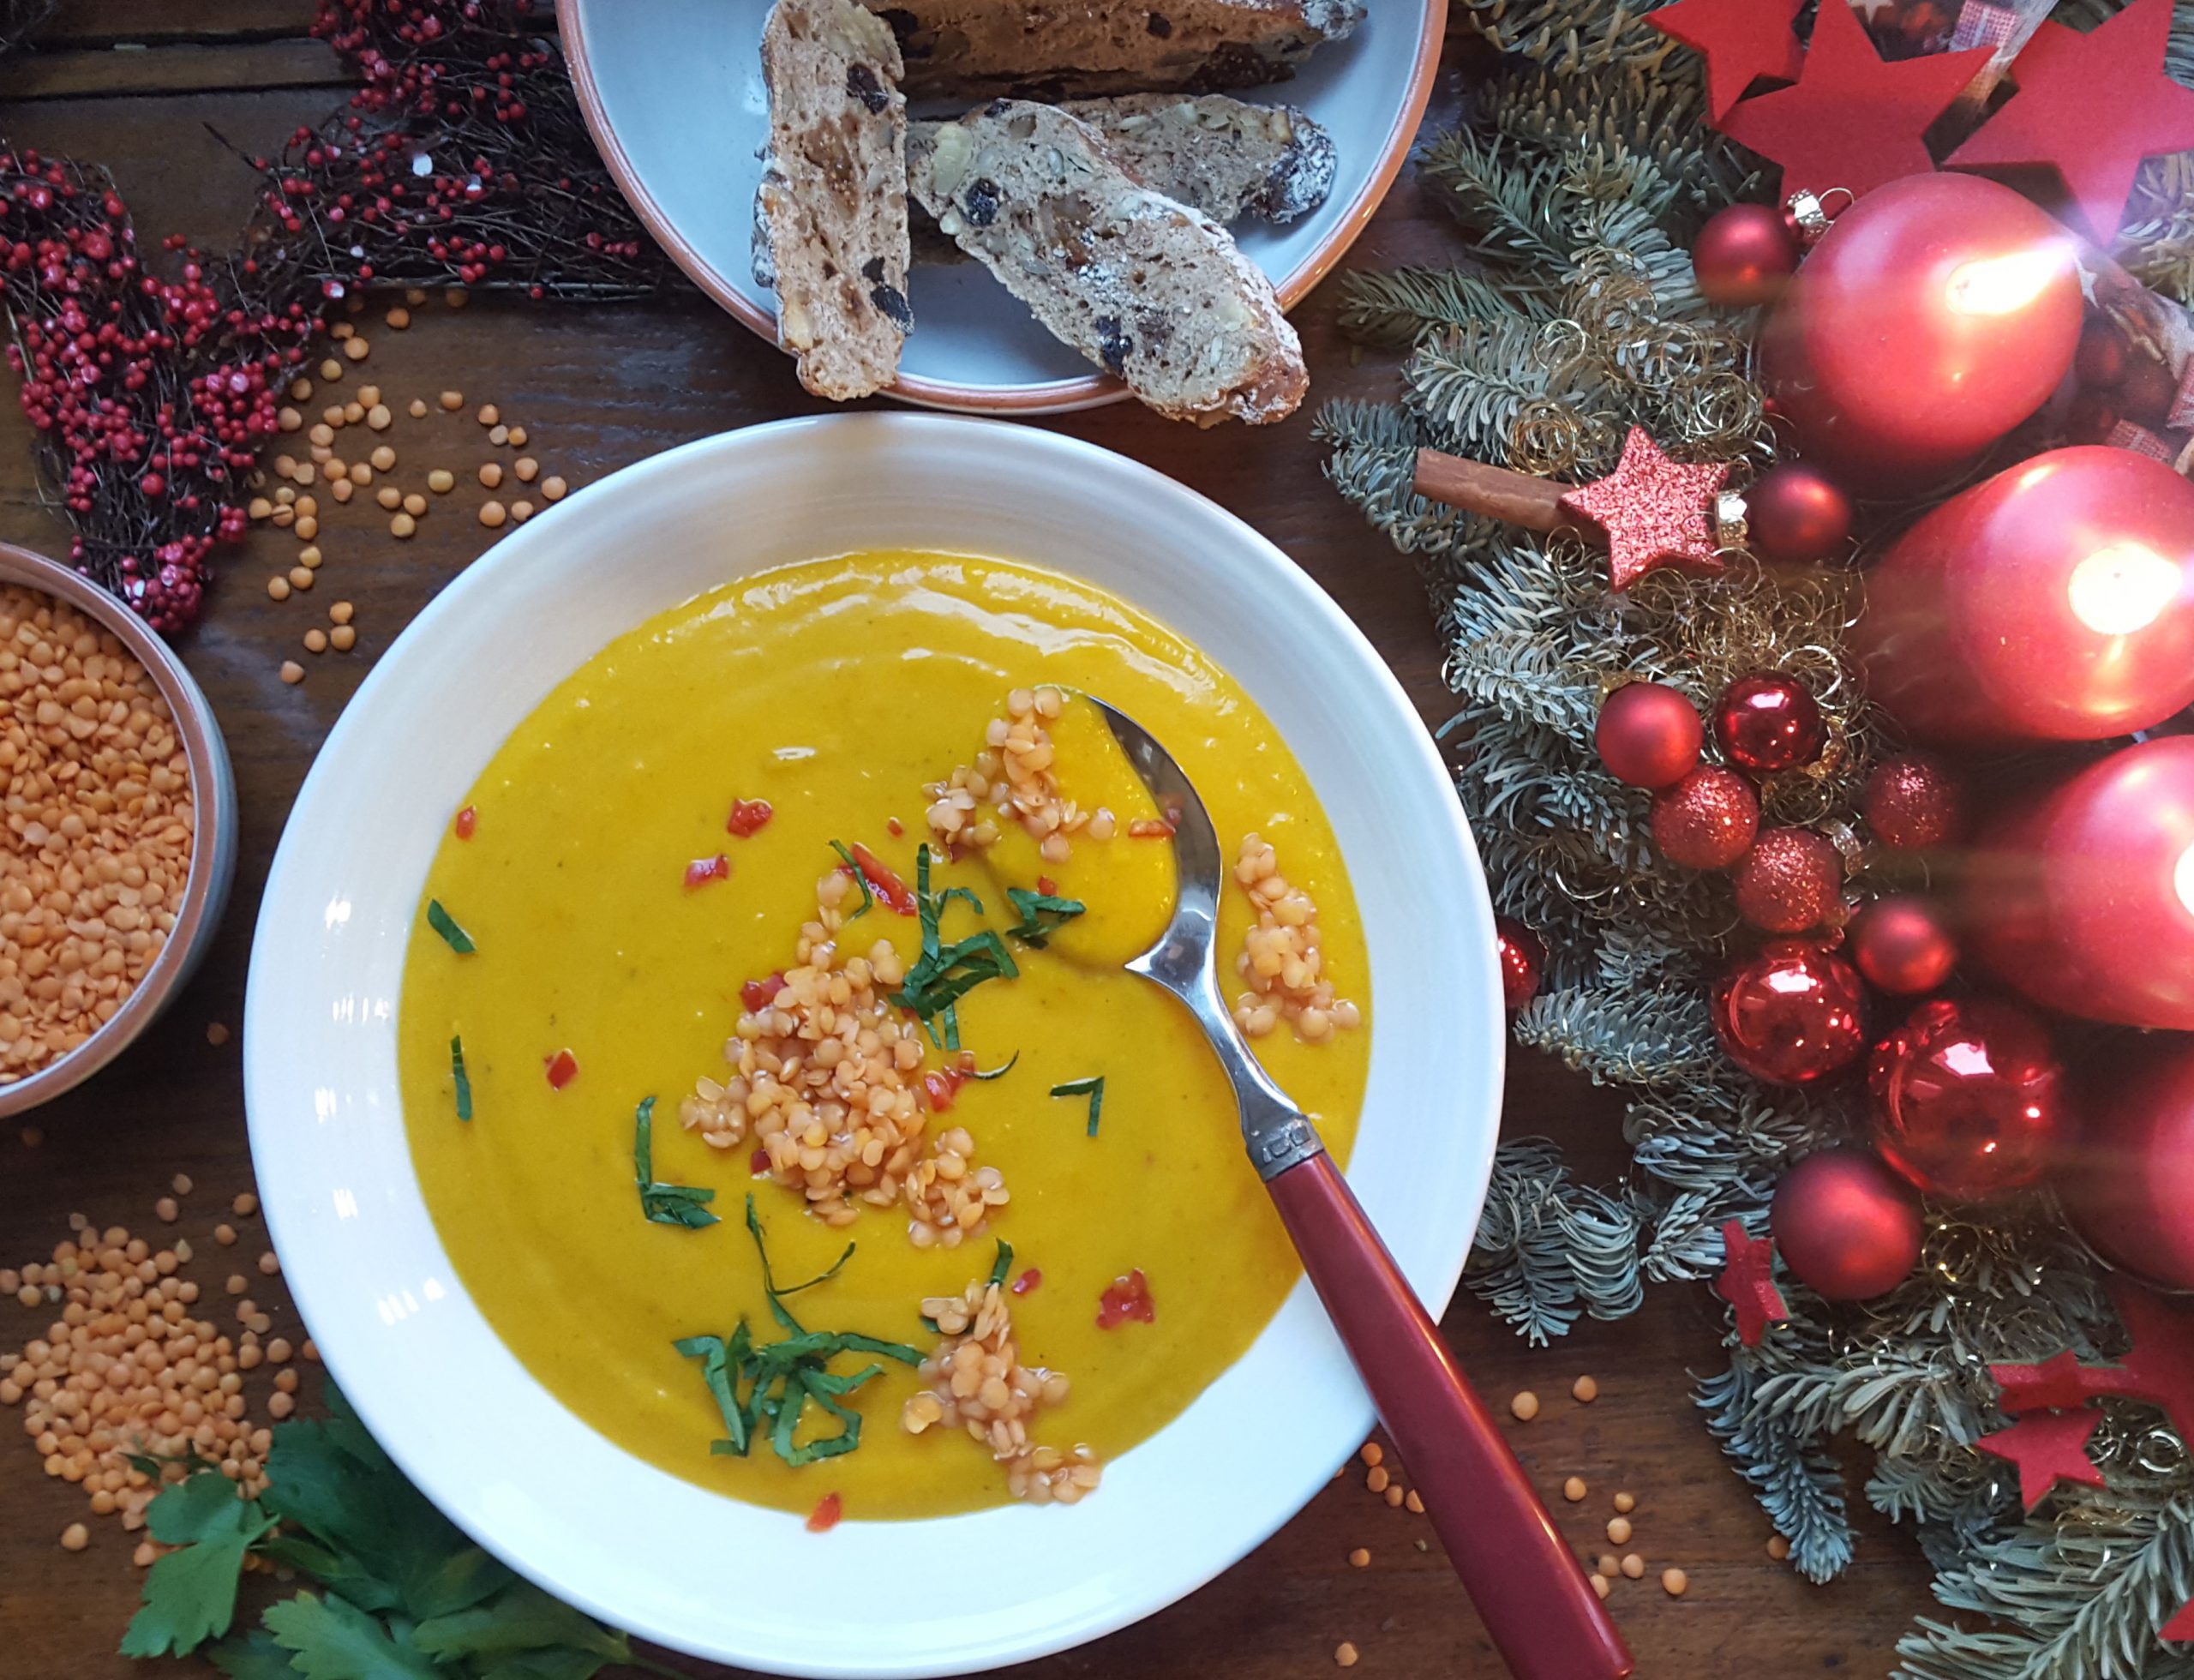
x=837 y=690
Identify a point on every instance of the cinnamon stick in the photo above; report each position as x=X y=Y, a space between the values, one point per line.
x=1515 y=498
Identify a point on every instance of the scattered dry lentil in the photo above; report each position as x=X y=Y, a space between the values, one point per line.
x=216 y=1033
x=293 y=672
x=330 y=369
x=1344 y=1655
x=1585 y=1390
x=343 y=638
x=300 y=389
x=1524 y=1407
x=1575 y=1490
x=342 y=490
x=1777 y=1547
x=360 y=474
x=353 y=413
x=415 y=505
x=332 y=415
x=1626 y=1502
x=491 y=474
x=492 y=514
x=527 y=468
x=289 y=420
x=1372 y=1453
x=269 y=1263
x=383 y=458
x=489 y=414
x=1282 y=958
x=521 y=511
x=441 y=480
x=245 y=1205
x=403 y=525
x=499 y=435
x=1360 y=1559
x=235 y=1286
x=975 y=1379
x=379 y=417
x=457 y=297
x=370 y=394
x=553 y=488
x=389 y=497
x=316 y=641
x=76 y=1537
x=307 y=527
x=1415 y=1502
x=280 y=1404
x=1600 y=1584
x=165 y=1210
x=1619 y=1530
x=453 y=400
x=1393 y=1495
x=518 y=437
x=418 y=408
x=225 y=1234
x=1377 y=1477
x=340 y=613
x=356 y=347
x=341 y=331
x=279 y=588
x=301 y=576
x=399 y=317
x=1675 y=1582
x=309 y=557
x=1633 y=1566
x=323 y=434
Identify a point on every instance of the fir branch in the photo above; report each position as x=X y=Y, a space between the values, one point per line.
x=1393 y=308
x=1659 y=1039
x=1548 y=1248
x=1792 y=1473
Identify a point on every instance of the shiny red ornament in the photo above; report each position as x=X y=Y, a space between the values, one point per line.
x=1648 y=734
x=1742 y=40
x=1768 y=722
x=1969 y=1098
x=2048 y=1448
x=2081 y=893
x=1795 y=513
x=1747 y=1283
x=1745 y=254
x=1913 y=804
x=2094 y=145
x=1853 y=121
x=1653 y=512
x=1903 y=945
x=1933 y=317
x=1790 y=880
x=1523 y=961
x=1846 y=1226
x=1790 y=1013
x=2127 y=1181
x=2053 y=601
x=1707 y=820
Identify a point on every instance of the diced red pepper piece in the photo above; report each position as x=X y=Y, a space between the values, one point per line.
x=1150 y=828
x=748 y=817
x=894 y=827
x=761 y=994
x=563 y=1068
x=885 y=884
x=1031 y=1279
x=703 y=870
x=467 y=820
x=826 y=1514
x=1047 y=886
x=759 y=1162
x=942 y=1089
x=1128 y=1297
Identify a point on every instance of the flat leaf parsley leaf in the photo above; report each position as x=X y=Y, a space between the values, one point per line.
x=944 y=974
x=445 y=924
x=665 y=1204
x=1042 y=914
x=1092 y=1089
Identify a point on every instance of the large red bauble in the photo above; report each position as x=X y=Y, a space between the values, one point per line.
x=2053 y=601
x=1648 y=734
x=1790 y=880
x=1744 y=256
x=1968 y=1098
x=2127 y=1180
x=1796 y=513
x=1902 y=943
x=1523 y=961
x=1707 y=820
x=1768 y=722
x=2081 y=893
x=1912 y=803
x=1936 y=315
x=1790 y=1013
x=1846 y=1226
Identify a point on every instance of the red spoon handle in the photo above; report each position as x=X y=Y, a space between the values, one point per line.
x=1530 y=1590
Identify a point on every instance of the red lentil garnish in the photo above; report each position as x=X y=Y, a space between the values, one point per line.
x=748 y=817
x=563 y=1068
x=825 y=1516
x=703 y=870
x=1128 y=1297
x=758 y=994
x=883 y=881
x=467 y=820
x=1031 y=1279
x=894 y=827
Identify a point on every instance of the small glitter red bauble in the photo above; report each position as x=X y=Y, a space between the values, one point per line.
x=1796 y=513
x=1790 y=880
x=2100 y=361
x=1969 y=1098
x=1846 y=1226
x=1707 y=820
x=1523 y=961
x=1744 y=256
x=1767 y=723
x=1790 y=1013
x=1648 y=734
x=1911 y=803
x=1902 y=943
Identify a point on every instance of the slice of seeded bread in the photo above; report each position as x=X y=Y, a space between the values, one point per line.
x=1148 y=288
x=1059 y=49
x=830 y=217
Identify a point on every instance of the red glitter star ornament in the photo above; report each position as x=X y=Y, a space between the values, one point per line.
x=2060 y=1382
x=1852 y=121
x=2048 y=1448
x=1741 y=40
x=1747 y=1283
x=1655 y=512
x=2090 y=107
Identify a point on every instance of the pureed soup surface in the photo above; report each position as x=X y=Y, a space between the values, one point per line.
x=836 y=691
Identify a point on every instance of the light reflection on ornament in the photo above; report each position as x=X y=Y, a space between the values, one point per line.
x=2182 y=878
x=2003 y=284
x=2121 y=589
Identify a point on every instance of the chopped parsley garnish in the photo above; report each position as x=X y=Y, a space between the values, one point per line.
x=1092 y=1089
x=944 y=973
x=997 y=1073
x=1042 y=914
x=1003 y=1264
x=860 y=880
x=445 y=924
x=762 y=1389
x=665 y=1204
x=464 y=1079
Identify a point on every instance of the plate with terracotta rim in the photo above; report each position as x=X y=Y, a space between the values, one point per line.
x=671 y=92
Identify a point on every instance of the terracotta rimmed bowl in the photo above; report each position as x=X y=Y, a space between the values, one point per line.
x=672 y=90
x=213 y=844
x=671 y=1560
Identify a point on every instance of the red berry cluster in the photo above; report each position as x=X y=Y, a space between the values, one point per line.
x=150 y=393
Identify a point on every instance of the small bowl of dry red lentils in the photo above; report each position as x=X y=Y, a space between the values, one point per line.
x=120 y=815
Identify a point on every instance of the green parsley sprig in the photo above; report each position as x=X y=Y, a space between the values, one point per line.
x=860 y=880
x=445 y=924
x=944 y=974
x=664 y=1204
x=1042 y=914
x=1092 y=1089
x=464 y=1079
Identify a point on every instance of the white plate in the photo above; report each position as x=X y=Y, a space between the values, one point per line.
x=487 y=1443
x=672 y=90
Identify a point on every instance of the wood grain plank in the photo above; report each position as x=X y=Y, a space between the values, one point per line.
x=101 y=22
x=129 y=71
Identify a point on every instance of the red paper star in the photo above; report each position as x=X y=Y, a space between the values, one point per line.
x=1655 y=512
x=2062 y=1382
x=2159 y=1367
x=2048 y=1448
x=2181 y=1625
x=1741 y=40
x=2091 y=107
x=1852 y=121
x=1747 y=1281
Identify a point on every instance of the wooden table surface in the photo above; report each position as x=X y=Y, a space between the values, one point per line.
x=598 y=388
